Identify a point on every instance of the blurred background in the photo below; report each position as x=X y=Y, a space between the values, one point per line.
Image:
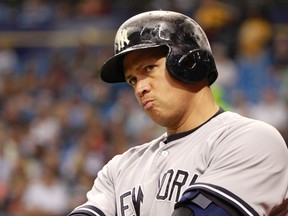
x=59 y=124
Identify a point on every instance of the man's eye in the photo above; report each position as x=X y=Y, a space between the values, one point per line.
x=132 y=81
x=149 y=68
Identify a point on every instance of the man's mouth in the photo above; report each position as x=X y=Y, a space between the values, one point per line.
x=147 y=104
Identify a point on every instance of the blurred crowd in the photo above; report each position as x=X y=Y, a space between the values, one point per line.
x=59 y=123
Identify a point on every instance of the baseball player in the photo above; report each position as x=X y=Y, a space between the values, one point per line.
x=209 y=161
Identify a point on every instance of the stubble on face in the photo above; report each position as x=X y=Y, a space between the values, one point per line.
x=171 y=102
x=166 y=99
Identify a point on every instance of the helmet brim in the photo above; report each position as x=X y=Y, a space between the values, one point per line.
x=112 y=70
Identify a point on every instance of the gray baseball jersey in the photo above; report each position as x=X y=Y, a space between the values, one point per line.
x=240 y=159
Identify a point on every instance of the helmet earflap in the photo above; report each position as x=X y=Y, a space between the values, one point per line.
x=191 y=67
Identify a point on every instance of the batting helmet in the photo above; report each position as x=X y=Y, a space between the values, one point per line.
x=189 y=58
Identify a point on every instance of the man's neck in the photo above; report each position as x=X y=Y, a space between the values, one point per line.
x=203 y=107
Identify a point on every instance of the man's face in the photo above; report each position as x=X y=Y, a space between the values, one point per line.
x=164 y=99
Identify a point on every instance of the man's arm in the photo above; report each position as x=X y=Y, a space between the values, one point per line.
x=199 y=200
x=86 y=210
x=100 y=199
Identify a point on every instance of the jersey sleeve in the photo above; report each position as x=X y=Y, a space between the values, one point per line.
x=101 y=197
x=249 y=162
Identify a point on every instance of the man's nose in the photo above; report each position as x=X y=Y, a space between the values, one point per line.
x=142 y=88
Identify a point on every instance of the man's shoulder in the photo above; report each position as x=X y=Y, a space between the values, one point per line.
x=249 y=130
x=237 y=120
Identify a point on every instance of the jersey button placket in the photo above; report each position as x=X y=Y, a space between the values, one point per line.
x=165 y=153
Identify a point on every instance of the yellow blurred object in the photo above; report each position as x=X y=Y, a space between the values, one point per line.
x=253 y=35
x=214 y=15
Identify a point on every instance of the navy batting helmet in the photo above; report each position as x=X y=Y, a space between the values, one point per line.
x=189 y=58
